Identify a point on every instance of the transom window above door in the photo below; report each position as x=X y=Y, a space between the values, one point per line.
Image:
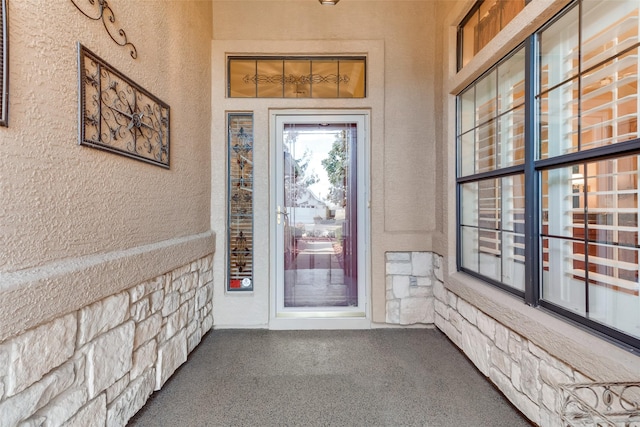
x=296 y=77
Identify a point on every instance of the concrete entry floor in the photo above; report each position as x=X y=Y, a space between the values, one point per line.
x=382 y=377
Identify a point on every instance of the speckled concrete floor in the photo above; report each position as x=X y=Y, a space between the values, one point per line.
x=384 y=377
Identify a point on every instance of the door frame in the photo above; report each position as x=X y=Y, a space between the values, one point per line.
x=323 y=319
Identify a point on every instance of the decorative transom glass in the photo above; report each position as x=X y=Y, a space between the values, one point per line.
x=292 y=77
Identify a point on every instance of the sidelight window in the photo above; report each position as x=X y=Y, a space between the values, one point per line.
x=240 y=202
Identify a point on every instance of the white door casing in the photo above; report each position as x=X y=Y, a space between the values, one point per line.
x=284 y=314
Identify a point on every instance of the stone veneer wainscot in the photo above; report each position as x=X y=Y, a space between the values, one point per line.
x=97 y=366
x=409 y=281
x=525 y=373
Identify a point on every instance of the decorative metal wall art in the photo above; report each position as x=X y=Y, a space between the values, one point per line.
x=240 y=202
x=117 y=115
x=601 y=404
x=4 y=66
x=100 y=10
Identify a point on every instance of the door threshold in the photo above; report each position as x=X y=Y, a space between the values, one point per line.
x=293 y=323
x=319 y=314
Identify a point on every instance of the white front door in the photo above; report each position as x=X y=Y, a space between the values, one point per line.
x=320 y=212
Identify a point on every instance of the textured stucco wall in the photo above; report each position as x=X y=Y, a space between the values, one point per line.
x=403 y=143
x=407 y=29
x=60 y=202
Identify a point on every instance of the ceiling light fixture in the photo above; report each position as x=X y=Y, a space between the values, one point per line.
x=329 y=2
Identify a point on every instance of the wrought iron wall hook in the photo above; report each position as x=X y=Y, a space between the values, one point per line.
x=105 y=13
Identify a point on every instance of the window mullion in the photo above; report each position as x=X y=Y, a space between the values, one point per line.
x=531 y=179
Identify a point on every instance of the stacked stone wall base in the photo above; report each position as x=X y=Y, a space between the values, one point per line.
x=526 y=374
x=98 y=365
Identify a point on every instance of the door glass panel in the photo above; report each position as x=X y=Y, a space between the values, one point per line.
x=319 y=215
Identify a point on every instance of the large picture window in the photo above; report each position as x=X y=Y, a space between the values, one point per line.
x=570 y=142
x=491 y=174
